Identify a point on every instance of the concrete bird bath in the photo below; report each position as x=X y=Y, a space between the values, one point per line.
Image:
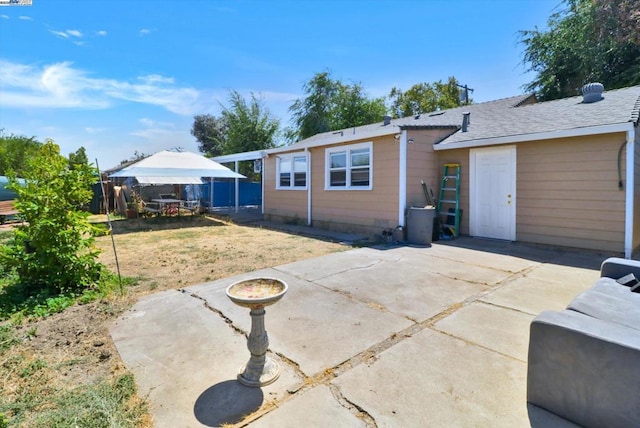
x=255 y=294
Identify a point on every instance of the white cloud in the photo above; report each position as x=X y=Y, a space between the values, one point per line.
x=68 y=35
x=150 y=123
x=144 y=32
x=157 y=139
x=60 y=34
x=4 y=16
x=159 y=134
x=90 y=130
x=156 y=78
x=60 y=85
x=101 y=33
x=270 y=96
x=25 y=18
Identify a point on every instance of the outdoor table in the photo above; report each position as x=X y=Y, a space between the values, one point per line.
x=169 y=206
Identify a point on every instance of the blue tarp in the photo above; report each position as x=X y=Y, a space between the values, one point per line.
x=224 y=193
x=6 y=194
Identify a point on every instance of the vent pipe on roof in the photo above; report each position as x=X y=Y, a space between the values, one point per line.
x=466 y=121
x=386 y=120
x=592 y=92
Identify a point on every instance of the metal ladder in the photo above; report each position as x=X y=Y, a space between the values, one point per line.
x=449 y=201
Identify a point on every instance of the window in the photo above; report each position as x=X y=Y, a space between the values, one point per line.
x=292 y=172
x=349 y=167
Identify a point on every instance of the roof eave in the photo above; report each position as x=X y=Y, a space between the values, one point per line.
x=242 y=156
x=421 y=127
x=536 y=136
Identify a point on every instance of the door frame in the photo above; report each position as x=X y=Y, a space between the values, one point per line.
x=473 y=189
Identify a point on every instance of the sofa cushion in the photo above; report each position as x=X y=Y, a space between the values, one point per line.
x=612 y=288
x=611 y=307
x=584 y=369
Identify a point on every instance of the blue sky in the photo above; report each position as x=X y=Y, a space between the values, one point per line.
x=120 y=76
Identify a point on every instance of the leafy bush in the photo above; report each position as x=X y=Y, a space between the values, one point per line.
x=53 y=251
x=17 y=304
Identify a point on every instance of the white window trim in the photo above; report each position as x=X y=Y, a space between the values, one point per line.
x=348 y=149
x=290 y=157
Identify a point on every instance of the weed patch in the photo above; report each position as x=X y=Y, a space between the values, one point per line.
x=7 y=338
x=34 y=403
x=17 y=303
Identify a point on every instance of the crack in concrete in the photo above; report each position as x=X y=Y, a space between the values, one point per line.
x=354 y=408
x=368 y=356
x=225 y=318
x=375 y=262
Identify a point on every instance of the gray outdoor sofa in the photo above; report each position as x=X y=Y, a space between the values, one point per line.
x=584 y=362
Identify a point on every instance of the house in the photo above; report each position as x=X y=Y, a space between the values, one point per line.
x=563 y=172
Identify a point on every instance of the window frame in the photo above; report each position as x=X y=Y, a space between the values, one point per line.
x=348 y=150
x=291 y=159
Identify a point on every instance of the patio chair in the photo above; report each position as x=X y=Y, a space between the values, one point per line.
x=151 y=208
x=191 y=206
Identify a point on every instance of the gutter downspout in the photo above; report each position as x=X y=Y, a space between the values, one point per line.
x=308 y=153
x=630 y=189
x=402 y=179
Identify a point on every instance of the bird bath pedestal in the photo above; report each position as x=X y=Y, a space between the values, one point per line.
x=255 y=294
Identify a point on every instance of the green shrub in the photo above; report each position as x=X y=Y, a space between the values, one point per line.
x=53 y=251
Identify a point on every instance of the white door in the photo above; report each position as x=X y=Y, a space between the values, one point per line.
x=492 y=188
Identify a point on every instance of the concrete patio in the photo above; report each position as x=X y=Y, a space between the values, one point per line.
x=392 y=336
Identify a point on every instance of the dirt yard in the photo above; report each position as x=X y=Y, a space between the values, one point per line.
x=160 y=255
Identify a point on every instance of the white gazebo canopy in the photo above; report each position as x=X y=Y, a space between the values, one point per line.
x=167 y=180
x=175 y=167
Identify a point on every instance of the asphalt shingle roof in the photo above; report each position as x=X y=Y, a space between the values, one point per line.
x=492 y=121
x=514 y=116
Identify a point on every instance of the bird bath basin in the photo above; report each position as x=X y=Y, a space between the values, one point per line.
x=255 y=294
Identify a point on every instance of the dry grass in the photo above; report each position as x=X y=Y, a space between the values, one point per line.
x=73 y=351
x=174 y=254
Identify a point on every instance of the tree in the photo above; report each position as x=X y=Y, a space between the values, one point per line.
x=329 y=105
x=311 y=114
x=250 y=126
x=78 y=158
x=15 y=151
x=53 y=252
x=137 y=156
x=588 y=41
x=353 y=108
x=210 y=132
x=241 y=127
x=425 y=97
x=619 y=19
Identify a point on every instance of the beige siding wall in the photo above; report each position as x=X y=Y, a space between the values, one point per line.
x=636 y=195
x=359 y=211
x=567 y=193
x=422 y=164
x=282 y=205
